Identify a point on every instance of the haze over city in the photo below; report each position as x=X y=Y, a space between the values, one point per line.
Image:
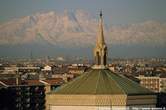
x=67 y=28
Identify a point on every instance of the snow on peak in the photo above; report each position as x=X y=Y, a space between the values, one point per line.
x=77 y=28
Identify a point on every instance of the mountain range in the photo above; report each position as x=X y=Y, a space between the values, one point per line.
x=53 y=31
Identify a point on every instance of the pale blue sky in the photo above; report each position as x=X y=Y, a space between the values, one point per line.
x=115 y=11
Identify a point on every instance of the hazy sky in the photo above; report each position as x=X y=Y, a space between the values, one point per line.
x=115 y=12
x=118 y=11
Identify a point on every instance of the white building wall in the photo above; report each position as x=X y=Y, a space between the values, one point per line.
x=140 y=107
x=87 y=108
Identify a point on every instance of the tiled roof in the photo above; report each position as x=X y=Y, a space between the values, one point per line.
x=54 y=81
x=8 y=81
x=32 y=82
x=102 y=81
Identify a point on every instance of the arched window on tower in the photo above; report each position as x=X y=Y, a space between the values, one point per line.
x=105 y=56
x=98 y=58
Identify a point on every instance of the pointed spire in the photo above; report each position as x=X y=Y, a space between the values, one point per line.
x=100 y=51
x=101 y=32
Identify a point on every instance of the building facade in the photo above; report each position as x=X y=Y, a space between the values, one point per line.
x=154 y=83
x=22 y=97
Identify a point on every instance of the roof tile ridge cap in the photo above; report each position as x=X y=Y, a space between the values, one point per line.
x=115 y=82
x=97 y=81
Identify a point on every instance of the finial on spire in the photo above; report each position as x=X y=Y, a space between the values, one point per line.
x=101 y=13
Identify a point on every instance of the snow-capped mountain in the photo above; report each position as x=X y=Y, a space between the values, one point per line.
x=77 y=28
x=67 y=28
x=74 y=33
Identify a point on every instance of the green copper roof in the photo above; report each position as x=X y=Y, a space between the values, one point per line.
x=102 y=81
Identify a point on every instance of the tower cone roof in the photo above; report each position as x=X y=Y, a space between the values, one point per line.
x=100 y=37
